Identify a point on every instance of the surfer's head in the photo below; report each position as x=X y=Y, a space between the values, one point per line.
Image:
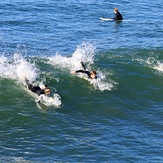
x=115 y=10
x=47 y=91
x=93 y=74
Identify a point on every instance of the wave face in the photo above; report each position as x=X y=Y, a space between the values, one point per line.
x=116 y=118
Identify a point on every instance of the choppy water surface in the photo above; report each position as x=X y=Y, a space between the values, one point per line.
x=117 y=118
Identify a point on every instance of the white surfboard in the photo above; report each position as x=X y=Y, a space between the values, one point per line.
x=98 y=83
x=91 y=81
x=50 y=101
x=44 y=100
x=106 y=19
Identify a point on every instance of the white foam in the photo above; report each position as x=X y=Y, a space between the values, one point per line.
x=17 y=68
x=152 y=62
x=51 y=101
x=101 y=84
x=159 y=66
x=25 y=69
x=86 y=53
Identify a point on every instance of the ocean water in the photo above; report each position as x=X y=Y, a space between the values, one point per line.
x=116 y=118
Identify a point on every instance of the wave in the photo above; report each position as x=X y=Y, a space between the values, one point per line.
x=151 y=62
x=86 y=53
x=17 y=68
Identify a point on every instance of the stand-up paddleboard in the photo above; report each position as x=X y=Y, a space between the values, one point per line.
x=106 y=19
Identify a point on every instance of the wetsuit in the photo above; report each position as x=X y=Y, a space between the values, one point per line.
x=85 y=72
x=35 y=89
x=118 y=16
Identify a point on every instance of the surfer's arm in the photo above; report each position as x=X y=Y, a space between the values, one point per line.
x=84 y=72
x=115 y=18
x=39 y=99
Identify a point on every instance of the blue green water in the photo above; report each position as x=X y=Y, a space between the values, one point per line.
x=117 y=118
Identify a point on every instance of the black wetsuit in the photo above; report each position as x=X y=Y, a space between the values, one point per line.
x=85 y=72
x=35 y=89
x=118 y=16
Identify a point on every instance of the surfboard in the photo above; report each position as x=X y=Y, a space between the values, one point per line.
x=49 y=101
x=91 y=81
x=44 y=100
x=106 y=19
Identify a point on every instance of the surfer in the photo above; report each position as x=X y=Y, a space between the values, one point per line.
x=118 y=15
x=91 y=75
x=37 y=89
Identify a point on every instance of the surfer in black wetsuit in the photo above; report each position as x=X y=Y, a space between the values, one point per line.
x=91 y=75
x=37 y=89
x=117 y=16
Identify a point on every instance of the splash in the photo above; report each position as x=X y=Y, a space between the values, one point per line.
x=153 y=63
x=85 y=52
x=51 y=101
x=159 y=67
x=17 y=68
x=25 y=69
x=101 y=84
